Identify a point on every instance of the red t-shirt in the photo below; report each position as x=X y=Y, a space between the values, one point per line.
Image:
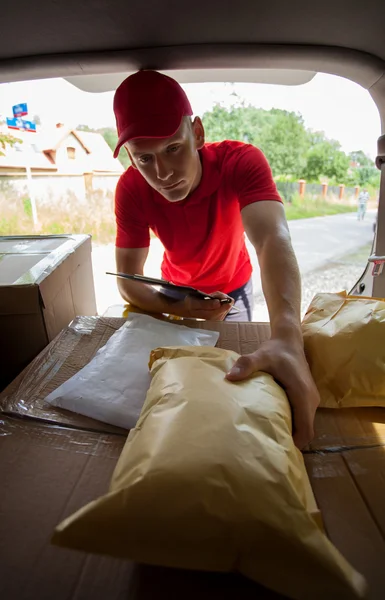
x=203 y=235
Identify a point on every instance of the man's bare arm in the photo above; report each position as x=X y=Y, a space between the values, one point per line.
x=266 y=227
x=283 y=355
x=145 y=297
x=132 y=261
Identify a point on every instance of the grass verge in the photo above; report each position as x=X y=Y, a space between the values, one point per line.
x=308 y=207
x=96 y=217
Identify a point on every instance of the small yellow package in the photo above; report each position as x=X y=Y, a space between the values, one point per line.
x=344 y=339
x=210 y=479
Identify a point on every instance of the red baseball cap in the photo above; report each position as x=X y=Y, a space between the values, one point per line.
x=149 y=104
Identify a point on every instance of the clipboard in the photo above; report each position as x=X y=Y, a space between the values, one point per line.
x=163 y=283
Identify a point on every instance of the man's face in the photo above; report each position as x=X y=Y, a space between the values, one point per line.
x=170 y=165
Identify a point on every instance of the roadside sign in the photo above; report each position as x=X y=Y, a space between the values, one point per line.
x=21 y=125
x=14 y=123
x=20 y=110
x=29 y=126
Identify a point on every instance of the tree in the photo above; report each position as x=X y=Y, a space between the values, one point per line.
x=86 y=128
x=284 y=141
x=280 y=134
x=111 y=137
x=6 y=139
x=363 y=170
x=325 y=159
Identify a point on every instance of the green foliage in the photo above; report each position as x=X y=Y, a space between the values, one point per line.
x=10 y=225
x=111 y=137
x=55 y=228
x=82 y=127
x=27 y=207
x=284 y=142
x=364 y=172
x=9 y=140
x=292 y=150
x=325 y=159
x=280 y=134
x=308 y=207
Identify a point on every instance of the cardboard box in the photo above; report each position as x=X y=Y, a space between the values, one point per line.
x=56 y=472
x=348 y=428
x=52 y=462
x=349 y=487
x=48 y=472
x=76 y=345
x=45 y=281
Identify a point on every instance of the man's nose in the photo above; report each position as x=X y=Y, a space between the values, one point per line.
x=163 y=171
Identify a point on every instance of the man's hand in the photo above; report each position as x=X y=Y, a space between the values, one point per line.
x=285 y=361
x=210 y=310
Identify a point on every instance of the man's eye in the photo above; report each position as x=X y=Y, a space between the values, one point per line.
x=144 y=159
x=173 y=148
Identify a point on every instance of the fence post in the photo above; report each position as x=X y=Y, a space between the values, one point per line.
x=302 y=187
x=356 y=191
x=88 y=184
x=324 y=189
x=341 y=192
x=31 y=194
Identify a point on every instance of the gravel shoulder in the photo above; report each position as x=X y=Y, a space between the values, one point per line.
x=340 y=274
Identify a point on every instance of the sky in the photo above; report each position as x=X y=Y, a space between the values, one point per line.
x=342 y=109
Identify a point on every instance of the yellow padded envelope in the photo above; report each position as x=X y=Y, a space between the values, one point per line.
x=210 y=479
x=344 y=340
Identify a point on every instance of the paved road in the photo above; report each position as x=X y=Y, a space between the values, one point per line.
x=316 y=241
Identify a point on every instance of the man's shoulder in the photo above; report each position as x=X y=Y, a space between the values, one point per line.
x=230 y=151
x=227 y=147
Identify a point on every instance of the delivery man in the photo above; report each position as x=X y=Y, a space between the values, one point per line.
x=199 y=199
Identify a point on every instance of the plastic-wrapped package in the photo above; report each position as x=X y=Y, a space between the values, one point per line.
x=69 y=352
x=113 y=386
x=210 y=479
x=344 y=339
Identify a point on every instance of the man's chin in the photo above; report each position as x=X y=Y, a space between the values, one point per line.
x=176 y=195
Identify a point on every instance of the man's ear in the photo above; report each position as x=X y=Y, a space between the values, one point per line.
x=199 y=133
x=130 y=157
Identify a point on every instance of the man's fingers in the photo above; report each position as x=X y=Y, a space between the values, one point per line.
x=303 y=438
x=203 y=305
x=304 y=401
x=221 y=296
x=303 y=429
x=244 y=367
x=211 y=309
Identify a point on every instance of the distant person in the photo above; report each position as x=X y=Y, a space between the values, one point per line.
x=199 y=199
x=363 y=199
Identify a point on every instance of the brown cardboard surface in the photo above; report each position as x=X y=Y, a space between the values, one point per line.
x=76 y=345
x=70 y=351
x=40 y=293
x=44 y=473
x=48 y=472
x=239 y=337
x=348 y=428
x=350 y=492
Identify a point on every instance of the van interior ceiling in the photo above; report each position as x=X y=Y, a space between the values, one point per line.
x=95 y=45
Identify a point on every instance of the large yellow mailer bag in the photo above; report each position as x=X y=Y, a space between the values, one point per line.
x=344 y=340
x=210 y=480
